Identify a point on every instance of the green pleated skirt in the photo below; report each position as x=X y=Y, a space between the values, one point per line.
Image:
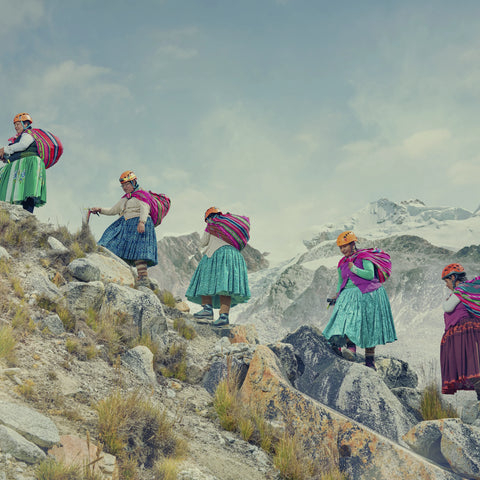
x=22 y=179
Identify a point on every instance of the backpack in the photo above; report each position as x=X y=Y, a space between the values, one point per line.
x=233 y=229
x=160 y=208
x=379 y=258
x=469 y=294
x=49 y=146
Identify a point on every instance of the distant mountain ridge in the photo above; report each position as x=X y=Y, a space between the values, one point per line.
x=438 y=225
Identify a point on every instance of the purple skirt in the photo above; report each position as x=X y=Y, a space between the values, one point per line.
x=460 y=356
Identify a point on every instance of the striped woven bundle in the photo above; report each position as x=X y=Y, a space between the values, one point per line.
x=469 y=293
x=49 y=146
x=158 y=202
x=233 y=229
x=378 y=257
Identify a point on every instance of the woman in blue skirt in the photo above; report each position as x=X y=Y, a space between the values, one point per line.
x=220 y=279
x=362 y=316
x=132 y=237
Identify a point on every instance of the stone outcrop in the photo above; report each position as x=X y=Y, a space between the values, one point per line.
x=140 y=360
x=448 y=442
x=363 y=454
x=19 y=447
x=351 y=388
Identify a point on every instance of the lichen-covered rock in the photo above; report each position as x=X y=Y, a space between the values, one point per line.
x=111 y=268
x=364 y=454
x=140 y=360
x=83 y=269
x=80 y=297
x=244 y=334
x=396 y=373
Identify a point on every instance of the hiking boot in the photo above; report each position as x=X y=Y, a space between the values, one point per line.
x=370 y=363
x=221 y=320
x=145 y=281
x=349 y=353
x=205 y=314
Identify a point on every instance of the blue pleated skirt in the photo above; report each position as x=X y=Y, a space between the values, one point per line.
x=365 y=318
x=122 y=238
x=224 y=273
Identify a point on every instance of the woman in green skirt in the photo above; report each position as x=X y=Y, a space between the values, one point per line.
x=362 y=315
x=220 y=279
x=23 y=178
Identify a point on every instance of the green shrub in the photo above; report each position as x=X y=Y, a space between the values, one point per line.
x=7 y=343
x=168 y=299
x=175 y=362
x=290 y=460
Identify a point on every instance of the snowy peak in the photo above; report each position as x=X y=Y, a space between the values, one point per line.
x=384 y=217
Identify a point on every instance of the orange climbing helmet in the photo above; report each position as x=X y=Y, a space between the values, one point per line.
x=22 y=117
x=452 y=269
x=127 y=176
x=345 y=238
x=210 y=211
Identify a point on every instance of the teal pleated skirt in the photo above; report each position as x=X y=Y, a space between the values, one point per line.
x=22 y=179
x=224 y=273
x=365 y=318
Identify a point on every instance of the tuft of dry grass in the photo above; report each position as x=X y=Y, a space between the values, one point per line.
x=168 y=299
x=7 y=344
x=131 y=425
x=27 y=389
x=166 y=469
x=186 y=331
x=290 y=460
x=175 y=362
x=433 y=407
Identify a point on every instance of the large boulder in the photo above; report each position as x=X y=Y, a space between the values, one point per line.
x=351 y=388
x=14 y=444
x=83 y=269
x=448 y=442
x=111 y=268
x=142 y=307
x=363 y=454
x=80 y=296
x=140 y=361
x=29 y=423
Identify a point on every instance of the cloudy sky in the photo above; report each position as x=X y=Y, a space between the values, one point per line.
x=293 y=112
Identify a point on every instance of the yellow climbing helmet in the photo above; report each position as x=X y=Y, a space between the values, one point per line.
x=346 y=237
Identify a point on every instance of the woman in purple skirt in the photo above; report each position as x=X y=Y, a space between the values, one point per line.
x=460 y=346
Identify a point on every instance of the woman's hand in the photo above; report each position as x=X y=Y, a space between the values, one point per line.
x=351 y=266
x=141 y=227
x=95 y=209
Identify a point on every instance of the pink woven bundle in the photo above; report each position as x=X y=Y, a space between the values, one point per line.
x=378 y=257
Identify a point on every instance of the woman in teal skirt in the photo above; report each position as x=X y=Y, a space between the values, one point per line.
x=23 y=178
x=220 y=279
x=362 y=315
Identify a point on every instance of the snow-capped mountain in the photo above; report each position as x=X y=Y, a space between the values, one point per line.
x=421 y=241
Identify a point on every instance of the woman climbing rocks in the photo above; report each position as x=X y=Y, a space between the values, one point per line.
x=220 y=279
x=131 y=237
x=362 y=316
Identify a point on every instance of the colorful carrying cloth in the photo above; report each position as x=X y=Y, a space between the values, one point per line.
x=469 y=294
x=22 y=179
x=158 y=202
x=49 y=146
x=233 y=229
x=381 y=260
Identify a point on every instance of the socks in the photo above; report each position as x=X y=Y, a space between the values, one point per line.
x=141 y=268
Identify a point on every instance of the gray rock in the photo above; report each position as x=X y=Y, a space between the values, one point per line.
x=38 y=283
x=471 y=412
x=411 y=399
x=34 y=426
x=83 y=269
x=53 y=323
x=140 y=361
x=424 y=439
x=218 y=371
x=56 y=245
x=4 y=253
x=396 y=373
x=460 y=445
x=144 y=308
x=286 y=354
x=13 y=443
x=80 y=296
x=111 y=268
x=350 y=388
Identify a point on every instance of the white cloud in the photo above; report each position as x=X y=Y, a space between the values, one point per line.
x=17 y=16
x=422 y=143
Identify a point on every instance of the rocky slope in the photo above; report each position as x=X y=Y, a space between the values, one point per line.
x=345 y=415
